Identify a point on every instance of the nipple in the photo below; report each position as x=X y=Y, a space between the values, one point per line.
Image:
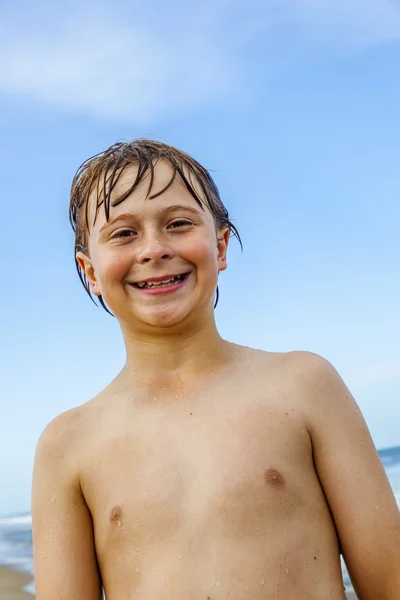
x=274 y=477
x=116 y=516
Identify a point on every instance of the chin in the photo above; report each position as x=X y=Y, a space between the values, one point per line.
x=162 y=319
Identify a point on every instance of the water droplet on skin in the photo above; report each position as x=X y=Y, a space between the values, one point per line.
x=53 y=499
x=153 y=494
x=287 y=571
x=262 y=582
x=223 y=441
x=217 y=583
x=179 y=557
x=137 y=570
x=119 y=523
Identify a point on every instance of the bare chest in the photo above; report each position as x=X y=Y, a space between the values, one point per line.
x=215 y=470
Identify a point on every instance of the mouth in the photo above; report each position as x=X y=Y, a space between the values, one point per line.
x=162 y=284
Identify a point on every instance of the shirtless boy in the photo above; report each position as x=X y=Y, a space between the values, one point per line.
x=205 y=470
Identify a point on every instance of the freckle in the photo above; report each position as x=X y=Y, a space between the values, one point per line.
x=116 y=515
x=190 y=413
x=273 y=476
x=315 y=558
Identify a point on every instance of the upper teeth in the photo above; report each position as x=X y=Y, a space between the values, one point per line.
x=156 y=283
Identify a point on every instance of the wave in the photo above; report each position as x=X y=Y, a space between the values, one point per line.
x=19 y=520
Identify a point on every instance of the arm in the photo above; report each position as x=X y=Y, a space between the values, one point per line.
x=355 y=484
x=64 y=555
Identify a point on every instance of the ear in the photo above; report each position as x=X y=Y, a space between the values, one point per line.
x=222 y=247
x=88 y=269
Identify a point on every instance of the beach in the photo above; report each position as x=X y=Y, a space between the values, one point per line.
x=12 y=585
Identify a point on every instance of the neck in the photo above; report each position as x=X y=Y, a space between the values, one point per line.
x=161 y=361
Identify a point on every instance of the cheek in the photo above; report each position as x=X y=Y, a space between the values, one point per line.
x=112 y=267
x=204 y=253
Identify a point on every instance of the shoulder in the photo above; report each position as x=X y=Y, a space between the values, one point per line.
x=316 y=376
x=306 y=368
x=63 y=436
x=311 y=379
x=311 y=369
x=330 y=408
x=70 y=432
x=57 y=439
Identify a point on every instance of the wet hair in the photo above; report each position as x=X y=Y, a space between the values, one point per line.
x=101 y=173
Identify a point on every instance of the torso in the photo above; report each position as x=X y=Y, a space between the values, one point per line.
x=212 y=495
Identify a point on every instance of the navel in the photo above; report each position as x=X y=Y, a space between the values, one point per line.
x=274 y=477
x=116 y=516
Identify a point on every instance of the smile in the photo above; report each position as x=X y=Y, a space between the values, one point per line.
x=162 y=285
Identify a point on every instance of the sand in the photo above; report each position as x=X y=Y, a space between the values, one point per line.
x=12 y=584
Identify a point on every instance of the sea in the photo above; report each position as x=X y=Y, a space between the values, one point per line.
x=16 y=530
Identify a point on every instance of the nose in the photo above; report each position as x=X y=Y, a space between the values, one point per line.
x=154 y=247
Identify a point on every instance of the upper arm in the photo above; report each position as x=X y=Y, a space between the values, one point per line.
x=65 y=562
x=355 y=484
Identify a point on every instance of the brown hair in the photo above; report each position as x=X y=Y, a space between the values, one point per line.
x=103 y=171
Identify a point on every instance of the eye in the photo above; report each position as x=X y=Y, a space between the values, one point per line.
x=180 y=223
x=123 y=233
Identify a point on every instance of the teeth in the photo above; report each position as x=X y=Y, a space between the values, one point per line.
x=150 y=284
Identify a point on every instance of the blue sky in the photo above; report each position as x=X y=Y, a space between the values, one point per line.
x=292 y=104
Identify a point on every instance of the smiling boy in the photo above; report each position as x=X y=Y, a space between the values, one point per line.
x=205 y=470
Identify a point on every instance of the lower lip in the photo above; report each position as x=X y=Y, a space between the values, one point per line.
x=155 y=291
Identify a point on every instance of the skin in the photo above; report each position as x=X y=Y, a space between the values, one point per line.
x=205 y=470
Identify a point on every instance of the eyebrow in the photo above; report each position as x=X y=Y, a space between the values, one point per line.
x=128 y=216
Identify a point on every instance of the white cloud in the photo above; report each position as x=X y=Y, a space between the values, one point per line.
x=109 y=68
x=138 y=63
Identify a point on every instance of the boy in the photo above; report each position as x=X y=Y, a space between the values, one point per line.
x=205 y=470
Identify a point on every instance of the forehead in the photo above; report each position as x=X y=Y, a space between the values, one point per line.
x=144 y=191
